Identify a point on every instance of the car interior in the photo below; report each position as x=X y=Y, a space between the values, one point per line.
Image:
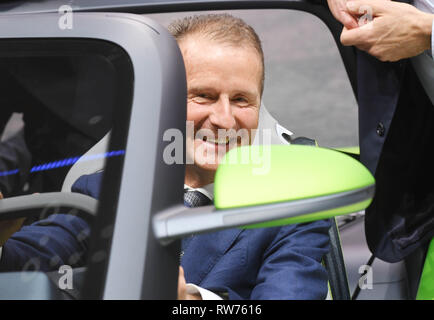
x=81 y=108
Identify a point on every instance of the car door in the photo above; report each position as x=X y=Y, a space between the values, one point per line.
x=90 y=79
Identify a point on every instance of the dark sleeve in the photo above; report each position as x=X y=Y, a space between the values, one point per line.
x=292 y=266
x=88 y=184
x=321 y=2
x=15 y=161
x=47 y=244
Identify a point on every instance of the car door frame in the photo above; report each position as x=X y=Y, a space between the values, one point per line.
x=153 y=273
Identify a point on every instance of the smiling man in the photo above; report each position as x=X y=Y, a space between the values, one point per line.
x=225 y=74
x=224 y=64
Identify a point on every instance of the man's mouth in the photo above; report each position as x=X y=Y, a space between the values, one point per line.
x=219 y=141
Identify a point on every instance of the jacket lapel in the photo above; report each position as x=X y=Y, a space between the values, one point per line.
x=202 y=252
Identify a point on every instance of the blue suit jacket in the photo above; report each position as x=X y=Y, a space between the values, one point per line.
x=272 y=263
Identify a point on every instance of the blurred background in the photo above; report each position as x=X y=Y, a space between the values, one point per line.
x=306 y=86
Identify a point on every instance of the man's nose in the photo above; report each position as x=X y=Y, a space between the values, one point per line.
x=222 y=116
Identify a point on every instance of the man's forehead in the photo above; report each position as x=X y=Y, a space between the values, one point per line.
x=220 y=76
x=210 y=59
x=190 y=42
x=197 y=51
x=199 y=87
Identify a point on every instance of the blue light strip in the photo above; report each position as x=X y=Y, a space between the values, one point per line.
x=66 y=162
x=8 y=173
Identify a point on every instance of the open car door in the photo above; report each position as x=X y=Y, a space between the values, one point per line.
x=88 y=80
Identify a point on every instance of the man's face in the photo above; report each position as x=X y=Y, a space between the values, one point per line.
x=223 y=94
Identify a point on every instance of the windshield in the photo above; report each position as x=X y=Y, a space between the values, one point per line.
x=65 y=109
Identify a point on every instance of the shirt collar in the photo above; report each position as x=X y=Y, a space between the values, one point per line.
x=207 y=190
x=424 y=5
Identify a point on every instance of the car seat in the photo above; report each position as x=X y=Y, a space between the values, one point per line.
x=91 y=162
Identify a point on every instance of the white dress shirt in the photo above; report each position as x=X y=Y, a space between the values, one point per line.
x=424 y=64
x=424 y=5
x=427 y=6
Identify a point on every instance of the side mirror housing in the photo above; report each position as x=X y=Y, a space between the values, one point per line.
x=274 y=185
x=279 y=173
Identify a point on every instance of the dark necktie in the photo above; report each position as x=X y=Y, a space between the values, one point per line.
x=193 y=198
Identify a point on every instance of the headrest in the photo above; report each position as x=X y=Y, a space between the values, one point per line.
x=88 y=163
x=268 y=125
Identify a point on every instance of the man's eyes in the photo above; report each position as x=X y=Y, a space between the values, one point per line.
x=200 y=98
x=205 y=97
x=241 y=101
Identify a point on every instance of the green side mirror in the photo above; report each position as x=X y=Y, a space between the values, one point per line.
x=351 y=150
x=326 y=182
x=266 y=186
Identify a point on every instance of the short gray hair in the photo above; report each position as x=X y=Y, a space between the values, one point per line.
x=224 y=28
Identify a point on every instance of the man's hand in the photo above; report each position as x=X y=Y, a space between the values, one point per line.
x=397 y=31
x=182 y=288
x=339 y=10
x=9 y=227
